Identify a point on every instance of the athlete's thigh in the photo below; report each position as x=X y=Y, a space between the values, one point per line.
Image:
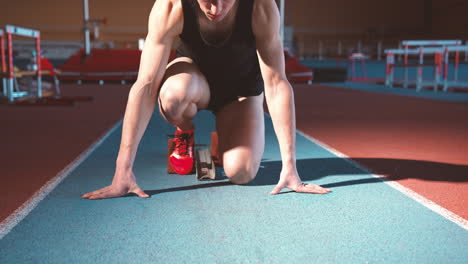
x=241 y=135
x=184 y=81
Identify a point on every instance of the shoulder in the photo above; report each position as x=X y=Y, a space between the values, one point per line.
x=265 y=17
x=166 y=17
x=168 y=10
x=264 y=8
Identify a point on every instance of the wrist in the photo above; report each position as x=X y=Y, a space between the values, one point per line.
x=123 y=164
x=125 y=159
x=288 y=159
x=289 y=165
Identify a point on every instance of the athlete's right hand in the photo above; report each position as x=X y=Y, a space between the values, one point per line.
x=124 y=182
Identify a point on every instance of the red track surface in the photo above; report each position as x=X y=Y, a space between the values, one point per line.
x=420 y=143
x=37 y=142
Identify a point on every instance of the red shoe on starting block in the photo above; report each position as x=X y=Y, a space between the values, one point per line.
x=181 y=153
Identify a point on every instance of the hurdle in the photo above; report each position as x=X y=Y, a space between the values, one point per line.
x=455 y=82
x=438 y=64
x=352 y=63
x=423 y=43
x=9 y=88
x=12 y=93
x=419 y=78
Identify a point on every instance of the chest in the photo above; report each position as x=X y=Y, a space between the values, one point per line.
x=216 y=33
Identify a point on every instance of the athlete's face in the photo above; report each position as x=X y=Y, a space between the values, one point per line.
x=216 y=10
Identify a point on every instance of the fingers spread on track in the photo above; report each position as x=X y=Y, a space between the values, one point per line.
x=311 y=188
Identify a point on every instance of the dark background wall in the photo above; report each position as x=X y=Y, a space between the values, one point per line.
x=311 y=20
x=63 y=19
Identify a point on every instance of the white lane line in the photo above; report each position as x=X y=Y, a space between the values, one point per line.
x=408 y=192
x=19 y=214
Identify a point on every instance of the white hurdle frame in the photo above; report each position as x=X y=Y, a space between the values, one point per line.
x=421 y=43
x=29 y=33
x=419 y=78
x=438 y=64
x=425 y=43
x=455 y=82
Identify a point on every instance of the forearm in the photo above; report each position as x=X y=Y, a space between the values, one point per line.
x=140 y=107
x=280 y=101
x=142 y=100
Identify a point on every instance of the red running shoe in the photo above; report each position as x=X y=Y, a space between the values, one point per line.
x=182 y=158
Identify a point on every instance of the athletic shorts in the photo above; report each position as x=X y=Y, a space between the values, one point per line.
x=223 y=93
x=220 y=98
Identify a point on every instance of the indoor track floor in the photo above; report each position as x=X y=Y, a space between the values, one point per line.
x=372 y=152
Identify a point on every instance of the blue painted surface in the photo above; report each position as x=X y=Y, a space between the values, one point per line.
x=376 y=69
x=186 y=221
x=377 y=88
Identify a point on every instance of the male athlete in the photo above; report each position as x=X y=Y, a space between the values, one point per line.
x=231 y=56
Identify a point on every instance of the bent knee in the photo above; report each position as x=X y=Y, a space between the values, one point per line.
x=239 y=174
x=175 y=89
x=175 y=97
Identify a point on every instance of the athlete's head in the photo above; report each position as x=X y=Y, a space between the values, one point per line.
x=216 y=10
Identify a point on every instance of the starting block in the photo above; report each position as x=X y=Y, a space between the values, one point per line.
x=206 y=159
x=204 y=165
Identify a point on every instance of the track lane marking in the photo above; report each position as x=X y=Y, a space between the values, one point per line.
x=449 y=215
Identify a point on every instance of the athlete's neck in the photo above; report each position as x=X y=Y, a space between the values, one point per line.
x=209 y=24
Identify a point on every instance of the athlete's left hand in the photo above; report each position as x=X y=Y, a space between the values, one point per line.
x=289 y=178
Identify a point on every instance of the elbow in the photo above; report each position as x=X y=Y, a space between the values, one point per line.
x=277 y=86
x=143 y=89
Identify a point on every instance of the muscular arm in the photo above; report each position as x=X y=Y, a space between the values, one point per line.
x=278 y=92
x=165 y=23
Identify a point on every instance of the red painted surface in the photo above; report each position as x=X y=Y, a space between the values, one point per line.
x=295 y=70
x=420 y=143
x=124 y=63
x=37 y=142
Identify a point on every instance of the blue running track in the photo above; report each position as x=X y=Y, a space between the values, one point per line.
x=363 y=220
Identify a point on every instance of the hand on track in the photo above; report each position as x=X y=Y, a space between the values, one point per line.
x=122 y=184
x=292 y=181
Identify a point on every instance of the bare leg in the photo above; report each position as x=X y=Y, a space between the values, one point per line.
x=241 y=133
x=184 y=91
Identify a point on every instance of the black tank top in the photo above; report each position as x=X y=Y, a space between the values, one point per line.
x=235 y=60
